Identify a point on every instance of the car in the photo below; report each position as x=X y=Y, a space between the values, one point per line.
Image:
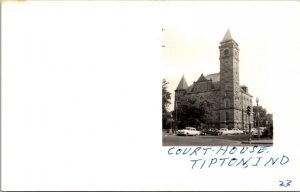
x=233 y=131
x=246 y=131
x=224 y=131
x=255 y=132
x=188 y=131
x=214 y=132
x=236 y=131
x=204 y=132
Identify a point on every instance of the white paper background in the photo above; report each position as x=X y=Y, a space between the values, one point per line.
x=81 y=98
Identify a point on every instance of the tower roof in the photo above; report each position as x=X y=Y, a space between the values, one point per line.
x=227 y=36
x=182 y=84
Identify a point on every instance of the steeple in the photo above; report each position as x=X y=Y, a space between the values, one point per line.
x=182 y=84
x=227 y=36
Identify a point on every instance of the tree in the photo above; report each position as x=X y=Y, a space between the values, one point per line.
x=263 y=117
x=166 y=96
x=269 y=119
x=206 y=112
x=194 y=114
x=166 y=101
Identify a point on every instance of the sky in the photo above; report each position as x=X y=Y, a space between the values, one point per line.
x=267 y=34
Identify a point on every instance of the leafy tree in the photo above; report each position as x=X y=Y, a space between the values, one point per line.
x=166 y=101
x=269 y=119
x=263 y=116
x=206 y=112
x=193 y=114
x=166 y=96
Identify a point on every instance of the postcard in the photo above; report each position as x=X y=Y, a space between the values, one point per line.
x=150 y=95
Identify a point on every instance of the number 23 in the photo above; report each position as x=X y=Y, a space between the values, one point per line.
x=285 y=184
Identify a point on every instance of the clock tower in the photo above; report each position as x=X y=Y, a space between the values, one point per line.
x=229 y=82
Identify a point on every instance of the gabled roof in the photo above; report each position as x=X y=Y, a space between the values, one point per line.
x=227 y=36
x=201 y=78
x=215 y=77
x=182 y=84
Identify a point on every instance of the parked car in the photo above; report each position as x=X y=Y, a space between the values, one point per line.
x=255 y=132
x=247 y=130
x=214 y=132
x=188 y=131
x=236 y=131
x=204 y=132
x=224 y=131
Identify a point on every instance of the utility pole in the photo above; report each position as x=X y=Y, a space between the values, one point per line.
x=257 y=120
x=242 y=112
x=176 y=121
x=249 y=113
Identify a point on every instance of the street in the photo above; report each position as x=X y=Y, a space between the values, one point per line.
x=228 y=140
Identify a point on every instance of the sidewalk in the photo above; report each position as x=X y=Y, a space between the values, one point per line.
x=261 y=141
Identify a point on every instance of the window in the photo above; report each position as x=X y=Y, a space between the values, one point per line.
x=227 y=116
x=226 y=103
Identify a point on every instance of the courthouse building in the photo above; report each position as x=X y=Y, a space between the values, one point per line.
x=228 y=100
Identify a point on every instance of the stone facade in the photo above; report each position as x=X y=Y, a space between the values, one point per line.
x=228 y=100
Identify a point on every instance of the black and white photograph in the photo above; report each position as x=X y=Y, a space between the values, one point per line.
x=216 y=108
